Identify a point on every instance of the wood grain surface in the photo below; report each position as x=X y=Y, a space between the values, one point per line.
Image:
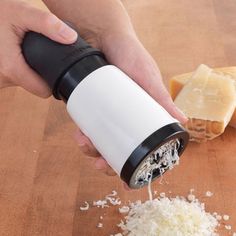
x=44 y=178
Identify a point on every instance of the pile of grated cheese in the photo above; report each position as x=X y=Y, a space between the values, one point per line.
x=169 y=217
x=164 y=216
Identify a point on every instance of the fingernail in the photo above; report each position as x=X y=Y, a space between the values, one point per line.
x=185 y=117
x=67 y=33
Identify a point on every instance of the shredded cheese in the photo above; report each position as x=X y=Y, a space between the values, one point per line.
x=162 y=159
x=228 y=227
x=100 y=203
x=162 y=194
x=85 y=207
x=114 y=201
x=225 y=217
x=167 y=217
x=110 y=198
x=112 y=194
x=191 y=197
x=124 y=209
x=100 y=225
x=209 y=194
x=163 y=216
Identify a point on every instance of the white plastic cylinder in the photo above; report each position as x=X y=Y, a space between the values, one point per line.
x=115 y=113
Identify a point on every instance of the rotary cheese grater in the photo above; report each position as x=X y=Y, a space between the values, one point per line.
x=127 y=126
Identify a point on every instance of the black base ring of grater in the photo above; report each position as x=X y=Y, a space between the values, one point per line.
x=149 y=145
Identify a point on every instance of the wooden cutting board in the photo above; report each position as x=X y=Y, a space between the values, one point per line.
x=44 y=178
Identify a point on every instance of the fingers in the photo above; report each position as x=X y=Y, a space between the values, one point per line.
x=44 y=22
x=13 y=26
x=148 y=76
x=169 y=105
x=101 y=164
x=151 y=80
x=141 y=67
x=159 y=92
x=88 y=149
x=48 y=24
x=86 y=145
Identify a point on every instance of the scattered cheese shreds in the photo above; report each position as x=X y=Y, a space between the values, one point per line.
x=209 y=194
x=114 y=201
x=100 y=225
x=100 y=203
x=113 y=193
x=169 y=216
x=85 y=207
x=164 y=216
x=191 y=190
x=225 y=217
x=228 y=227
x=162 y=194
x=124 y=209
x=191 y=197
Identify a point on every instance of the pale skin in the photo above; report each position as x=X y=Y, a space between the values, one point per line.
x=105 y=24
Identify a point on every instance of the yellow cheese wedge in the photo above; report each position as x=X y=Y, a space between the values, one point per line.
x=176 y=83
x=208 y=99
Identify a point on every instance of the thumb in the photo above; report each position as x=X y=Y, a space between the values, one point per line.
x=46 y=23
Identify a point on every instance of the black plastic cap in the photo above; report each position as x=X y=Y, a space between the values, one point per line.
x=51 y=60
x=148 y=146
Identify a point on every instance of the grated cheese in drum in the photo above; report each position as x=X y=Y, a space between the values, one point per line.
x=164 y=158
x=168 y=217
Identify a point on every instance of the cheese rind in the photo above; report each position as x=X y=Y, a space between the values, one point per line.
x=176 y=83
x=208 y=100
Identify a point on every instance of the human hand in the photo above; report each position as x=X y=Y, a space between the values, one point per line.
x=122 y=48
x=127 y=53
x=18 y=17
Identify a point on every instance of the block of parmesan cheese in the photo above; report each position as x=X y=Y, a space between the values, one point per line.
x=176 y=83
x=208 y=99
